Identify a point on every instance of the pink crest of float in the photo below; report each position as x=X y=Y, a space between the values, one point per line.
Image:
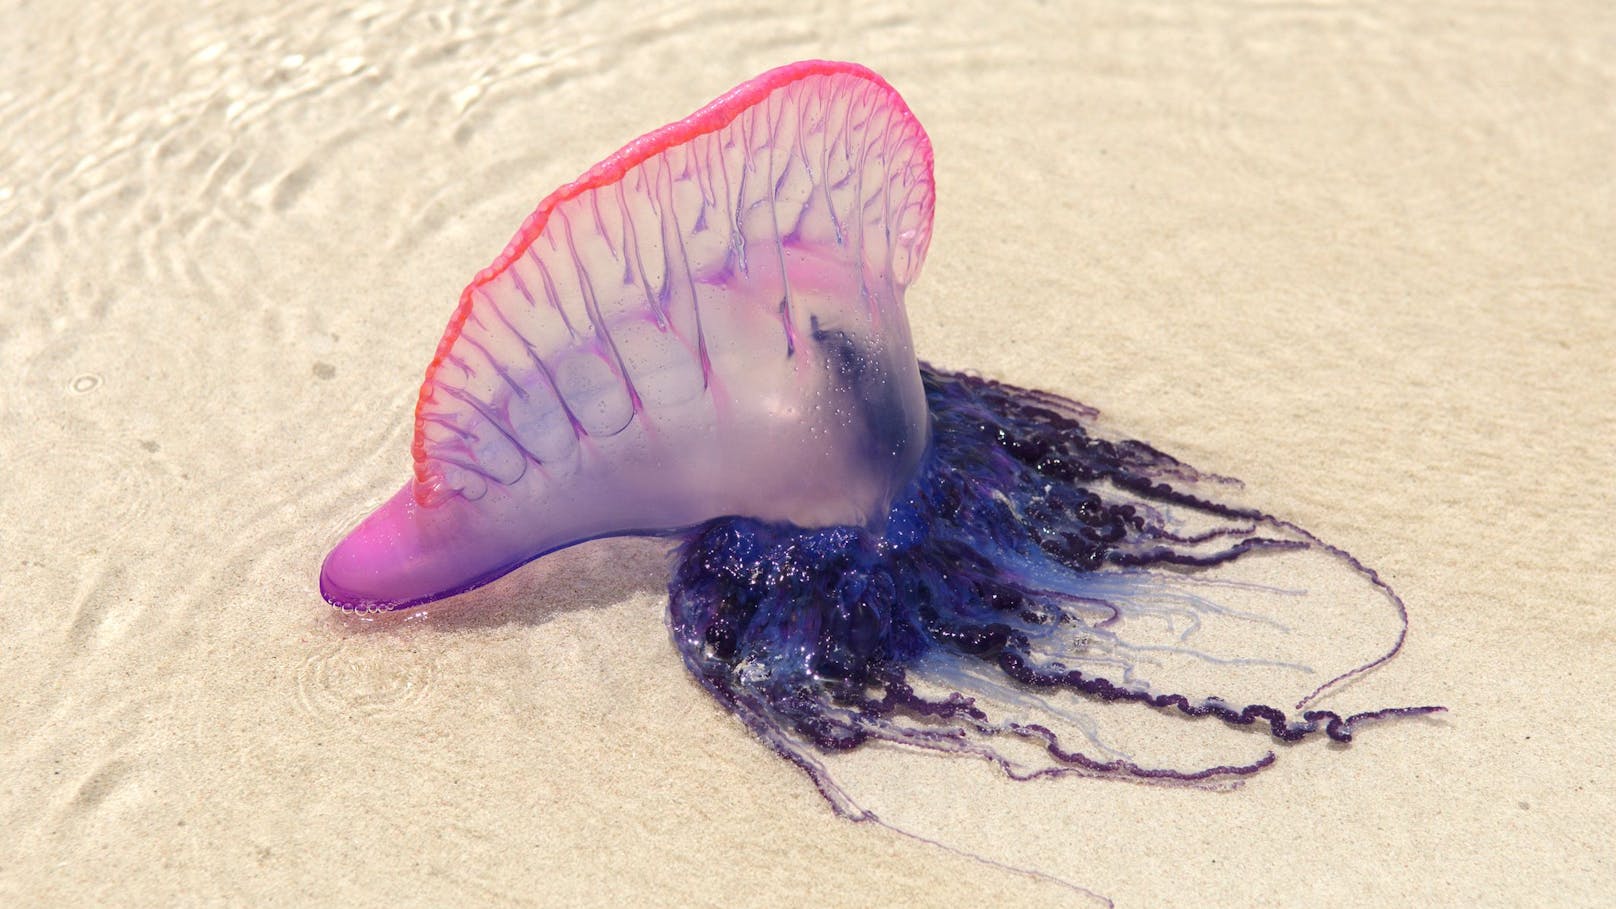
x=716 y=116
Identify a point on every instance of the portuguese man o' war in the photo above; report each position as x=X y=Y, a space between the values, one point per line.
x=704 y=337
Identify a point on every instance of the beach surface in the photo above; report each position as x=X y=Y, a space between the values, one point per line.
x=1359 y=255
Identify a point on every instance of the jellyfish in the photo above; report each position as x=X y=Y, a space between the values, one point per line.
x=704 y=338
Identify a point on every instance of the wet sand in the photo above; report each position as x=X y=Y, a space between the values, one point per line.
x=1357 y=255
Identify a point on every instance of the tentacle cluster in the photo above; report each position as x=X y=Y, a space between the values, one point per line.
x=1033 y=569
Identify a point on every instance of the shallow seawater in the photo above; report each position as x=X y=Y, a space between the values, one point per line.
x=230 y=233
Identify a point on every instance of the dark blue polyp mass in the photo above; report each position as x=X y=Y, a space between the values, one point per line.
x=1033 y=572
